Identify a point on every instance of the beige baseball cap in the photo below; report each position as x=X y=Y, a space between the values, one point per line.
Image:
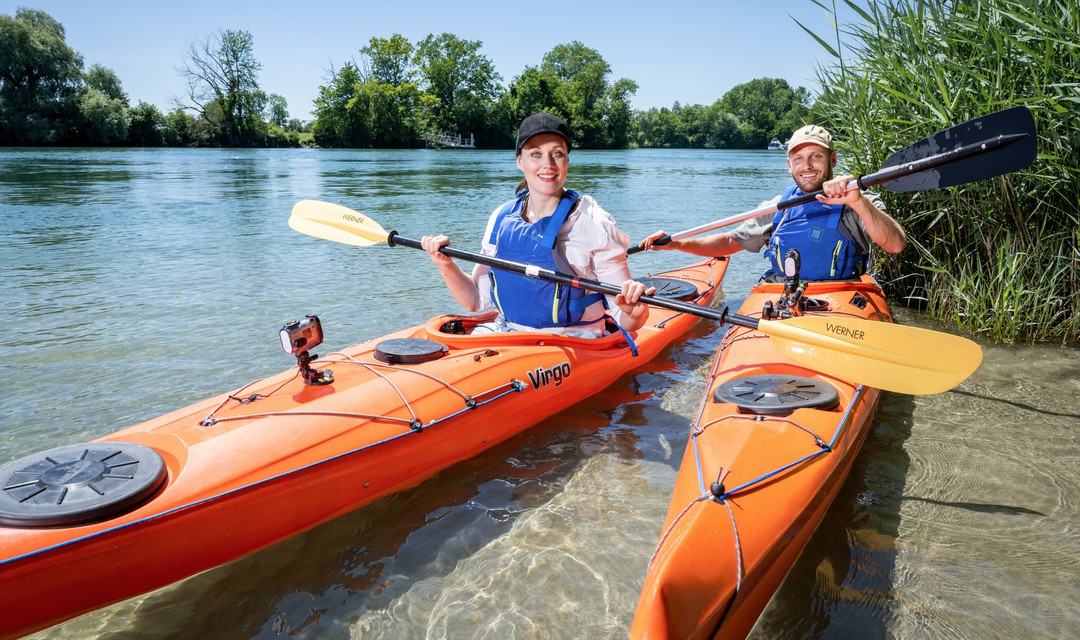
x=811 y=133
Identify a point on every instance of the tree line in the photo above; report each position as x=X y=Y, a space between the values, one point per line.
x=389 y=96
x=46 y=98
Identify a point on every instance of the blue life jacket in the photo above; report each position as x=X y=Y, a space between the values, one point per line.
x=528 y=301
x=813 y=229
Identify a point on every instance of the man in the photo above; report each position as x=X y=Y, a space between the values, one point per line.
x=832 y=234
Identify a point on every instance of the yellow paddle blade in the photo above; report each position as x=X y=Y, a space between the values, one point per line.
x=878 y=354
x=336 y=223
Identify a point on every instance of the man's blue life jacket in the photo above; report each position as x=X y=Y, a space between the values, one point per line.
x=528 y=301
x=813 y=229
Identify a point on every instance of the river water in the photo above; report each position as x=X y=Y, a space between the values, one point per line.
x=139 y=281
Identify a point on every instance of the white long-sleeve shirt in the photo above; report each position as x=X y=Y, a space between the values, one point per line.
x=589 y=245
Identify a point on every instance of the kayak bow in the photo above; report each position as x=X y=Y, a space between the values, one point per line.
x=84 y=526
x=769 y=449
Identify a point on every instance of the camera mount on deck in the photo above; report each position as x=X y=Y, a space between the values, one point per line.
x=298 y=337
x=791 y=303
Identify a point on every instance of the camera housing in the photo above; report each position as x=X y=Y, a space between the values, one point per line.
x=298 y=336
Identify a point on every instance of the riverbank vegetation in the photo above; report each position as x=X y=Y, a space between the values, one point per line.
x=393 y=94
x=46 y=98
x=998 y=257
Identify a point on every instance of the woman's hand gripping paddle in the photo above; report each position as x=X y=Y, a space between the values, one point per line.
x=878 y=354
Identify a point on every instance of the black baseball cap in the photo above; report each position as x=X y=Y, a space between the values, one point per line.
x=542 y=122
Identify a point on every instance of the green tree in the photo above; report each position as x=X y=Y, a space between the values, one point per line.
x=620 y=114
x=337 y=122
x=661 y=128
x=390 y=97
x=766 y=107
x=390 y=60
x=796 y=116
x=461 y=79
x=583 y=75
x=147 y=127
x=534 y=90
x=40 y=77
x=183 y=130
x=104 y=120
x=598 y=113
x=390 y=113
x=277 y=110
x=105 y=81
x=726 y=133
x=696 y=125
x=354 y=113
x=381 y=108
x=222 y=77
x=105 y=115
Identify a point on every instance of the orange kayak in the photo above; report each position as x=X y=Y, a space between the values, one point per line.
x=91 y=524
x=769 y=449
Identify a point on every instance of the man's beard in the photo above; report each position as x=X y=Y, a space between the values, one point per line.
x=828 y=175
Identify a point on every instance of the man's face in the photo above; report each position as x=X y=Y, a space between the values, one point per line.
x=811 y=165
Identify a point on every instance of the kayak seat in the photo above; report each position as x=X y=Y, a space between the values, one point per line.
x=777 y=395
x=78 y=484
x=454 y=327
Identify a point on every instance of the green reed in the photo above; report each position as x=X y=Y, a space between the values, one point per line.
x=1000 y=257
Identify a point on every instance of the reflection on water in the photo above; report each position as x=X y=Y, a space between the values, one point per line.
x=137 y=281
x=959 y=518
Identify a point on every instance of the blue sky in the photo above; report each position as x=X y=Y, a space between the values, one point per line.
x=691 y=51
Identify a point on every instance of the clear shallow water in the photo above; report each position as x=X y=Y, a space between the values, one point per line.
x=138 y=281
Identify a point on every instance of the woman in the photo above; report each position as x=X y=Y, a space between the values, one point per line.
x=547 y=224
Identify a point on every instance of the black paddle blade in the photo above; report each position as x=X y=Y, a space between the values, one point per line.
x=983 y=147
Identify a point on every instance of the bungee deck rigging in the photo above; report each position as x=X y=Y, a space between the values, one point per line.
x=415 y=423
x=768 y=447
x=230 y=475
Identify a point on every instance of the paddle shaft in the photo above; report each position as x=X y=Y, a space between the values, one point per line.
x=856 y=349
x=883 y=176
x=882 y=355
x=394 y=239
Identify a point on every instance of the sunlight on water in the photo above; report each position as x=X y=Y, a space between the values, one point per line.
x=989 y=521
x=573 y=583
x=139 y=281
x=960 y=516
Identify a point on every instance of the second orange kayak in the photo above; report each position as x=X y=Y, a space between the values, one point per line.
x=770 y=447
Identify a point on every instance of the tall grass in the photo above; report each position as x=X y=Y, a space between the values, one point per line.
x=1000 y=257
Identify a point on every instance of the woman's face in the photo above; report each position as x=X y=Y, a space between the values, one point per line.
x=544 y=160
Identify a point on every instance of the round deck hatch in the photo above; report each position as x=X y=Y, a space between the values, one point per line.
x=78 y=484
x=777 y=395
x=409 y=350
x=671 y=287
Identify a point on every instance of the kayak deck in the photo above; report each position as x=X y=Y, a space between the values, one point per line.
x=247 y=469
x=769 y=449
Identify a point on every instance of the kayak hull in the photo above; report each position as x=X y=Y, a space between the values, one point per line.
x=770 y=448
x=277 y=457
